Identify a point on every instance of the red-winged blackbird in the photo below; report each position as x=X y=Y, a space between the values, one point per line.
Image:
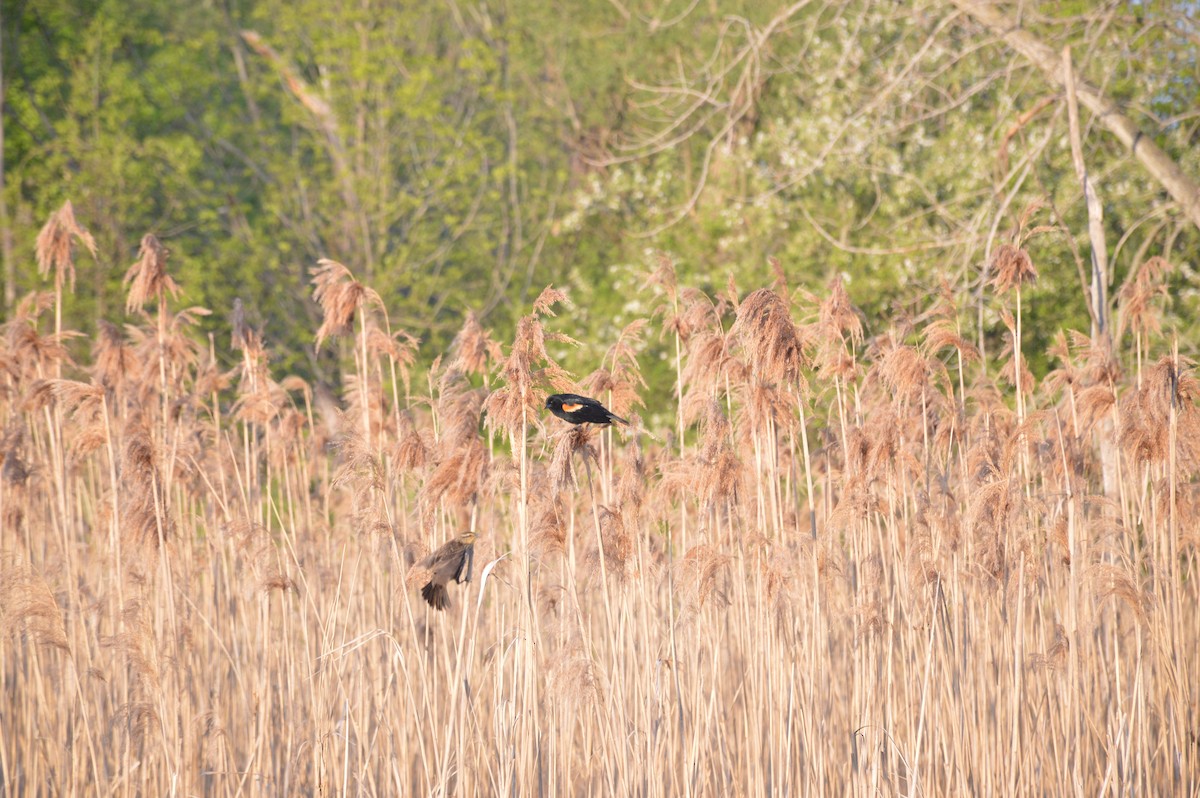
x=580 y=409
x=452 y=560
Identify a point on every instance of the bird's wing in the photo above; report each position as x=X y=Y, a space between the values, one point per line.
x=445 y=561
x=573 y=401
x=463 y=574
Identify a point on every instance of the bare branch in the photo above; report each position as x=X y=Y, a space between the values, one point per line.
x=1161 y=167
x=941 y=243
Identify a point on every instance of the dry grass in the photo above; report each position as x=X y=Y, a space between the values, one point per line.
x=859 y=565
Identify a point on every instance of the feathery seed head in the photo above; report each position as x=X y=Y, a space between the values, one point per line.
x=147 y=278
x=56 y=242
x=1011 y=267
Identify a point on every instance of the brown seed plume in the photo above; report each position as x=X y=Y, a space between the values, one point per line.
x=839 y=319
x=772 y=342
x=528 y=371
x=576 y=439
x=1168 y=388
x=1136 y=309
x=56 y=243
x=28 y=608
x=114 y=362
x=699 y=571
x=473 y=351
x=147 y=278
x=340 y=297
x=1011 y=266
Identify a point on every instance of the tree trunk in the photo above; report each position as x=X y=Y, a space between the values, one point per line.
x=1095 y=210
x=1101 y=334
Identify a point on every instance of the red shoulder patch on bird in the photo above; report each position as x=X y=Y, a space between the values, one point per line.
x=571 y=408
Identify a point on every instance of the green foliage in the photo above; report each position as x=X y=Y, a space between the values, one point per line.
x=462 y=157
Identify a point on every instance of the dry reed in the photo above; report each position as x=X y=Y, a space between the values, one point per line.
x=866 y=561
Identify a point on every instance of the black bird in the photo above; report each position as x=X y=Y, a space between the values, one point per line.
x=580 y=409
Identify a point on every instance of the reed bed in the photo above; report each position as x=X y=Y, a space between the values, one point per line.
x=846 y=557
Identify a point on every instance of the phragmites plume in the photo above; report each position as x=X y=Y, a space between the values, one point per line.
x=770 y=339
x=709 y=362
x=622 y=379
x=28 y=353
x=1109 y=580
x=147 y=278
x=260 y=558
x=548 y=533
x=1055 y=657
x=340 y=297
x=545 y=302
x=28 y=608
x=458 y=408
x=720 y=475
x=838 y=317
x=143 y=516
x=943 y=331
x=766 y=403
x=411 y=450
x=664 y=276
x=1011 y=267
x=618 y=543
x=571 y=677
x=528 y=369
x=631 y=487
x=664 y=279
x=1146 y=414
x=113 y=360
x=473 y=349
x=362 y=473
x=698 y=574
x=460 y=459
x=904 y=371
x=576 y=439
x=400 y=348
x=56 y=243
x=1137 y=311
x=457 y=478
x=33 y=305
x=943 y=334
x=82 y=400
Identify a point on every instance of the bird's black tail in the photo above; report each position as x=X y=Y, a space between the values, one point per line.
x=436 y=595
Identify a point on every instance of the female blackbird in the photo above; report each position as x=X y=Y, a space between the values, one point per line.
x=451 y=561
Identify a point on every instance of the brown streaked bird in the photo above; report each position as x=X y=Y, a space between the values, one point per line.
x=580 y=409
x=451 y=561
